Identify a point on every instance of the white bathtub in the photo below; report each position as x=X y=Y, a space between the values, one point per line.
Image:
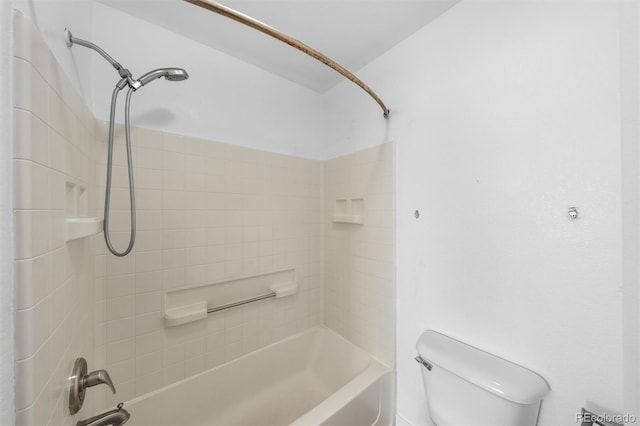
x=313 y=378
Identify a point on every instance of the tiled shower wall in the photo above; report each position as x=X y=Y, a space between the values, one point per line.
x=53 y=130
x=359 y=266
x=207 y=211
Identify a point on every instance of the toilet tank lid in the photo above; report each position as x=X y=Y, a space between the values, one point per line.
x=496 y=375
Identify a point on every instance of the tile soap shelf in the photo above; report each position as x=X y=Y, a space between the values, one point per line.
x=77 y=223
x=349 y=210
x=80 y=227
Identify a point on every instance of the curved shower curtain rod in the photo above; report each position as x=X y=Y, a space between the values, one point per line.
x=297 y=44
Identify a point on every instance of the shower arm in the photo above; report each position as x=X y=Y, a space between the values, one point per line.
x=297 y=44
x=125 y=74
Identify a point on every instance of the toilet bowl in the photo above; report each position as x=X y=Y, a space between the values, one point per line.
x=466 y=386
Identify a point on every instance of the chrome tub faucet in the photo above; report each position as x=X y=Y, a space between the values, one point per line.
x=116 y=417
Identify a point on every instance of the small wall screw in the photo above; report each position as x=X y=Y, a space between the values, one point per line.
x=573 y=213
x=416 y=214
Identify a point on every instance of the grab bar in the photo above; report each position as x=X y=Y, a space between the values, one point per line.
x=187 y=305
x=240 y=302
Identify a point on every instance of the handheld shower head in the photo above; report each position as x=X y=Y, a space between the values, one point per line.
x=171 y=74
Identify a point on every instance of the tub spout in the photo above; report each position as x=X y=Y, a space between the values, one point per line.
x=115 y=417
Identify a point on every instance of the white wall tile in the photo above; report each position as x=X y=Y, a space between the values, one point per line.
x=148 y=302
x=120 y=350
x=148 y=281
x=33 y=327
x=52 y=124
x=31 y=281
x=122 y=371
x=360 y=258
x=31 y=140
x=120 y=307
x=120 y=265
x=172 y=373
x=148 y=364
x=148 y=323
x=148 y=383
x=205 y=215
x=148 y=343
x=119 y=330
x=172 y=143
x=123 y=285
x=31 y=233
x=148 y=158
x=30 y=46
x=195 y=365
x=148 y=261
x=30 y=89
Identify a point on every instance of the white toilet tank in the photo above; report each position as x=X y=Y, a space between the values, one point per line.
x=466 y=386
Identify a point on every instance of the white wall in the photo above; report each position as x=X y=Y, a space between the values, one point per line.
x=224 y=99
x=6 y=225
x=506 y=114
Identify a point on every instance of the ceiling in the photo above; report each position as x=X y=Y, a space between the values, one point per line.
x=351 y=32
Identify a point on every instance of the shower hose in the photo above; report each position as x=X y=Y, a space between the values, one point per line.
x=107 y=197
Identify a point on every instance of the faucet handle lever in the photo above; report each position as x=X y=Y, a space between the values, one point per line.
x=98 y=377
x=81 y=379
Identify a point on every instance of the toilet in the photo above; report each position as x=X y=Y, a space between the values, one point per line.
x=466 y=386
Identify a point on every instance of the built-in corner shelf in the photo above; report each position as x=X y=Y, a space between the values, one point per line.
x=349 y=210
x=80 y=227
x=355 y=219
x=77 y=223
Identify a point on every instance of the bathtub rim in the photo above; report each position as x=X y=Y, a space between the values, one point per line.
x=343 y=396
x=374 y=370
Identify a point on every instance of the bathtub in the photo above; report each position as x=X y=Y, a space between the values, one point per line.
x=313 y=378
